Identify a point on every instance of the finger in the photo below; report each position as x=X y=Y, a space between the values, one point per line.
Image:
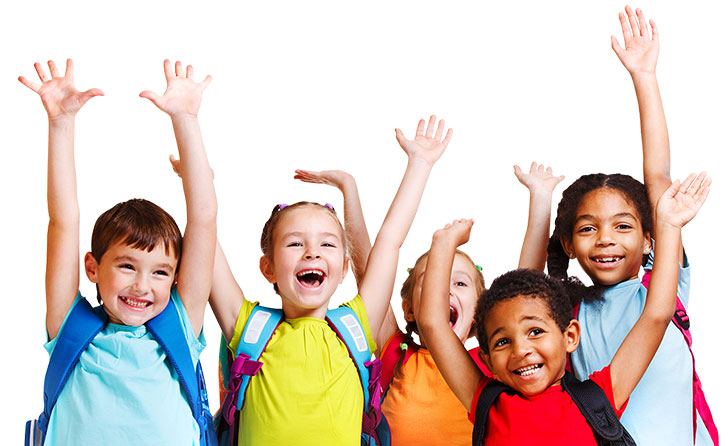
x=29 y=84
x=448 y=137
x=643 y=23
x=430 y=126
x=88 y=94
x=626 y=30
x=549 y=172
x=206 y=81
x=69 y=68
x=152 y=96
x=178 y=69
x=617 y=48
x=440 y=128
x=655 y=35
x=673 y=189
x=517 y=171
x=560 y=179
x=633 y=24
x=400 y=136
x=686 y=183
x=41 y=73
x=52 y=68
x=190 y=71
x=697 y=182
x=539 y=169
x=533 y=167
x=168 y=73
x=420 y=128
x=175 y=163
x=702 y=193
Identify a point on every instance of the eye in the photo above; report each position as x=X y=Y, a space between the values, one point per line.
x=161 y=272
x=586 y=229
x=294 y=244
x=128 y=266
x=328 y=245
x=536 y=331
x=460 y=283
x=624 y=227
x=502 y=342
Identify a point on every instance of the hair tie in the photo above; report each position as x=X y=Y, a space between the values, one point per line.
x=479 y=268
x=409 y=270
x=280 y=206
x=330 y=207
x=403 y=346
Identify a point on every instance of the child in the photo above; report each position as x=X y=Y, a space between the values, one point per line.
x=307 y=391
x=121 y=391
x=525 y=331
x=611 y=248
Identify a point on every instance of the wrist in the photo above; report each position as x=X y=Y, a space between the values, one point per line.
x=416 y=160
x=182 y=117
x=61 y=120
x=643 y=77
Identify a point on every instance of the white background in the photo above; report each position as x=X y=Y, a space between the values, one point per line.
x=321 y=85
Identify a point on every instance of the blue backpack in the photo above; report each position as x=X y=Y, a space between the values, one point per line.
x=235 y=374
x=83 y=324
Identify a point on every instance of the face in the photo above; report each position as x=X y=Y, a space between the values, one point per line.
x=526 y=348
x=134 y=284
x=463 y=295
x=607 y=239
x=307 y=262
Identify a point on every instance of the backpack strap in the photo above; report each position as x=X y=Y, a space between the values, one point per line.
x=700 y=404
x=396 y=352
x=595 y=406
x=347 y=326
x=486 y=399
x=168 y=331
x=82 y=325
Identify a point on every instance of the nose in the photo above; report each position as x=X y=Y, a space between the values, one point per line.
x=522 y=348
x=312 y=253
x=141 y=284
x=605 y=238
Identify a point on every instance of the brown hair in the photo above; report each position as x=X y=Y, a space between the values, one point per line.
x=137 y=223
x=266 y=238
x=408 y=286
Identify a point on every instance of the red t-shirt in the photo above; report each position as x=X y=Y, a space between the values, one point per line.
x=549 y=418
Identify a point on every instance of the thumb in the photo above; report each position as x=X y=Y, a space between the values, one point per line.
x=400 y=138
x=152 y=96
x=88 y=94
x=618 y=50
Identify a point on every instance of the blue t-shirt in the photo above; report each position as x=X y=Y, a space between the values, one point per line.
x=123 y=391
x=660 y=409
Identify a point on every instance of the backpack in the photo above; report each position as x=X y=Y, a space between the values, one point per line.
x=588 y=397
x=83 y=324
x=700 y=404
x=235 y=373
x=397 y=351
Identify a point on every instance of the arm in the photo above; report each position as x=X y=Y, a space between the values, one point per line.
x=433 y=316
x=354 y=224
x=639 y=57
x=378 y=282
x=540 y=183
x=226 y=296
x=181 y=101
x=677 y=206
x=62 y=101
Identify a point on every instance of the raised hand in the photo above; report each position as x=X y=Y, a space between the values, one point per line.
x=641 y=47
x=457 y=232
x=428 y=144
x=682 y=201
x=336 y=178
x=538 y=179
x=183 y=95
x=60 y=97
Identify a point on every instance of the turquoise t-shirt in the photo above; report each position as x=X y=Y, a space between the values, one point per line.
x=123 y=391
x=660 y=409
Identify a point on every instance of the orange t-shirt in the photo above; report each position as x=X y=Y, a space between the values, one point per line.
x=421 y=409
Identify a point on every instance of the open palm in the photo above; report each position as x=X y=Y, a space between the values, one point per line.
x=682 y=201
x=428 y=143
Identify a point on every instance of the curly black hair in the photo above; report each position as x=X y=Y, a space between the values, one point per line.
x=558 y=261
x=528 y=283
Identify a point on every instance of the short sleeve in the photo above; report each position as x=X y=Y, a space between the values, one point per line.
x=476 y=396
x=357 y=305
x=603 y=378
x=683 y=278
x=196 y=344
x=51 y=343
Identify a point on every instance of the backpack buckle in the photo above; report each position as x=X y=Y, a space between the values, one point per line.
x=682 y=319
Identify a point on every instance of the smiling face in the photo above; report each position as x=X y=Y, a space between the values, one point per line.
x=526 y=348
x=133 y=284
x=607 y=239
x=465 y=287
x=307 y=260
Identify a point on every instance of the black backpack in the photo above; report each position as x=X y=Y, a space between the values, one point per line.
x=588 y=397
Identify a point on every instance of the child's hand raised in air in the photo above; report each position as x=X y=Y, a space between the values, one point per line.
x=428 y=144
x=60 y=97
x=183 y=95
x=639 y=55
x=456 y=233
x=539 y=179
x=682 y=201
x=336 y=178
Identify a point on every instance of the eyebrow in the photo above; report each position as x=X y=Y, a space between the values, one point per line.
x=619 y=215
x=302 y=234
x=133 y=259
x=524 y=318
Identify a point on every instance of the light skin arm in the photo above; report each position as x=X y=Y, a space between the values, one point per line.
x=62 y=101
x=354 y=224
x=677 y=206
x=378 y=282
x=540 y=182
x=181 y=101
x=226 y=296
x=433 y=315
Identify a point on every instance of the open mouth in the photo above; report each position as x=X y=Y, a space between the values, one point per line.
x=137 y=304
x=310 y=278
x=453 y=316
x=528 y=370
x=606 y=260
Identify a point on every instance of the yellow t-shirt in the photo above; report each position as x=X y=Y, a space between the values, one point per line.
x=421 y=409
x=308 y=391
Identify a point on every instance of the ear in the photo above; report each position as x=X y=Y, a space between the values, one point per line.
x=92 y=267
x=647 y=244
x=568 y=247
x=346 y=268
x=408 y=310
x=485 y=357
x=572 y=335
x=266 y=267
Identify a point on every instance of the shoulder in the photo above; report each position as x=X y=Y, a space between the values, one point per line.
x=603 y=379
x=196 y=343
x=243 y=315
x=357 y=306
